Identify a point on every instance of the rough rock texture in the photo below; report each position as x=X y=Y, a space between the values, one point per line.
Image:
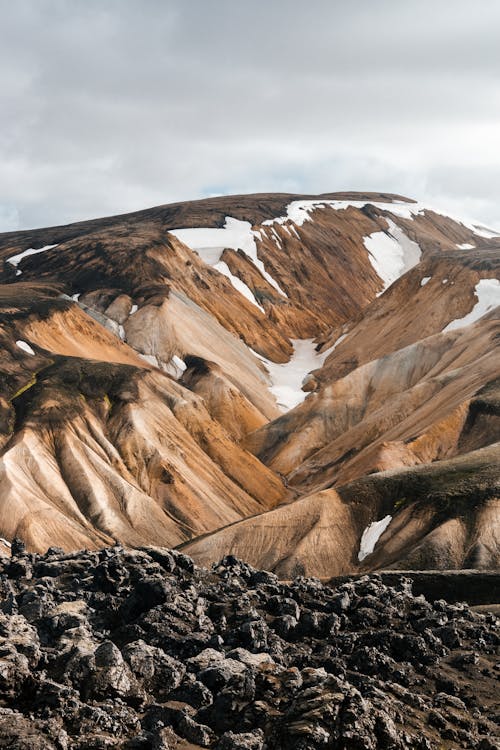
x=140 y=650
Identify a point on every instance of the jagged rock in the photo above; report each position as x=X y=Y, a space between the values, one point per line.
x=365 y=665
x=241 y=741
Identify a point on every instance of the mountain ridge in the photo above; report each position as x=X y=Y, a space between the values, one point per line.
x=207 y=302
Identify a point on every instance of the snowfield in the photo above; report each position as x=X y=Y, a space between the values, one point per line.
x=210 y=243
x=488 y=297
x=392 y=253
x=287 y=378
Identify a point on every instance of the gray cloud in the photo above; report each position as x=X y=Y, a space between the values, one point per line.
x=114 y=105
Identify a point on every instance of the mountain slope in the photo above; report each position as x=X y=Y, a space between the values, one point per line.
x=152 y=372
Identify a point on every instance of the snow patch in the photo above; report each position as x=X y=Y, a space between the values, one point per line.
x=371 y=535
x=425 y=280
x=488 y=297
x=210 y=243
x=4 y=541
x=25 y=347
x=466 y=246
x=133 y=310
x=287 y=378
x=14 y=260
x=392 y=253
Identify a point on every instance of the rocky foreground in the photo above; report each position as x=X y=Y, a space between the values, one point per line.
x=142 y=650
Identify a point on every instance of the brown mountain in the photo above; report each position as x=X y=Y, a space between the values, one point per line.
x=152 y=369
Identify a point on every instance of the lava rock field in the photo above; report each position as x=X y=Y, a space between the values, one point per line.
x=142 y=650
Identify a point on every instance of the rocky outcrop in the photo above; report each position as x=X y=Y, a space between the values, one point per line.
x=141 y=650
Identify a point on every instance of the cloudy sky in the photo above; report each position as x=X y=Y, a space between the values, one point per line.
x=108 y=106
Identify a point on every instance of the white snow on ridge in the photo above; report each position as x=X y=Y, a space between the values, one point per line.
x=371 y=535
x=287 y=378
x=488 y=297
x=25 y=347
x=210 y=243
x=16 y=259
x=299 y=211
x=392 y=253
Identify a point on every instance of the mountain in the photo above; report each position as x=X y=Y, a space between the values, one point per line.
x=311 y=383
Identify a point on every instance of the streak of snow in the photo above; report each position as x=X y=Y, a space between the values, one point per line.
x=210 y=243
x=25 y=347
x=333 y=347
x=466 y=246
x=488 y=297
x=4 y=541
x=392 y=253
x=287 y=378
x=238 y=284
x=133 y=309
x=16 y=259
x=371 y=535
x=425 y=280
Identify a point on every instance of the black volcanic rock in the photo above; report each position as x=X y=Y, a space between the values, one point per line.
x=141 y=650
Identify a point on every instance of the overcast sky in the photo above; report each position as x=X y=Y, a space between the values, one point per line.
x=109 y=106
